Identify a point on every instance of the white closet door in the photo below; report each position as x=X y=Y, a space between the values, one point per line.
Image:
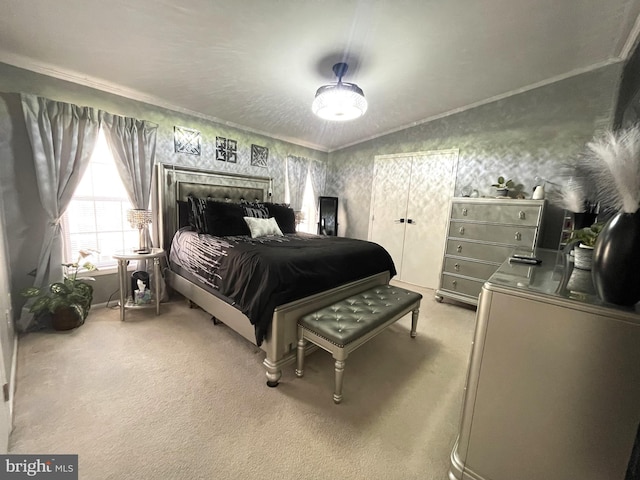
x=433 y=176
x=391 y=179
x=410 y=209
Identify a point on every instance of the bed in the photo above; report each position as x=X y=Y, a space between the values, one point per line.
x=274 y=332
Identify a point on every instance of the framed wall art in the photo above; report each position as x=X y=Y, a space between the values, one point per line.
x=226 y=150
x=259 y=156
x=186 y=140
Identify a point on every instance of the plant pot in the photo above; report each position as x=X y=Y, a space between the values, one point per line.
x=582 y=257
x=502 y=192
x=67 y=318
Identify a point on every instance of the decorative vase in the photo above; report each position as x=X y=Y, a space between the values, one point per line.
x=616 y=260
x=582 y=257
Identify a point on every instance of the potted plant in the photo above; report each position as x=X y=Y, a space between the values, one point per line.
x=68 y=302
x=585 y=239
x=503 y=186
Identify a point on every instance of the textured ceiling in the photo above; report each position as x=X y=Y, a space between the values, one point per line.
x=256 y=64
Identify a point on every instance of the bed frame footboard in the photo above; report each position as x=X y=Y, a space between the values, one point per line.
x=280 y=344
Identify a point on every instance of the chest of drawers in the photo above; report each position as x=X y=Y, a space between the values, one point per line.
x=482 y=233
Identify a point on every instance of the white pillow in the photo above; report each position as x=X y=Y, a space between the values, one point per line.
x=261 y=227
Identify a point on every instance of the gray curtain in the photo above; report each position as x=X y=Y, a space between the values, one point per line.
x=62 y=137
x=297 y=178
x=133 y=145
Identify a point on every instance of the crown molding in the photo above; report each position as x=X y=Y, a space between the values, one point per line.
x=495 y=98
x=108 y=87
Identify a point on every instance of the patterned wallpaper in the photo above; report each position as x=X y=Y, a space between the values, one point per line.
x=527 y=135
x=13 y=79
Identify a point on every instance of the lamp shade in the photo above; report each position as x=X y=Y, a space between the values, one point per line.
x=139 y=217
x=339 y=101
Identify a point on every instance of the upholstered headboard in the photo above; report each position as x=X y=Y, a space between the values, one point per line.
x=175 y=183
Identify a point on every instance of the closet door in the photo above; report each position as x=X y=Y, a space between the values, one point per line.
x=432 y=185
x=391 y=179
x=410 y=210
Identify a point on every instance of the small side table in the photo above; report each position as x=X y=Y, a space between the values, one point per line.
x=123 y=257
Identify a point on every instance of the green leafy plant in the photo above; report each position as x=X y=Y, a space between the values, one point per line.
x=586 y=236
x=502 y=183
x=72 y=293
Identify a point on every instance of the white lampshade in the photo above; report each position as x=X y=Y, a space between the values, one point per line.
x=339 y=101
x=139 y=217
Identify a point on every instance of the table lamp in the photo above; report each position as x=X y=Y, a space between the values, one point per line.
x=139 y=218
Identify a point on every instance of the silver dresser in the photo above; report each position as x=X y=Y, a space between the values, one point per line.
x=553 y=382
x=482 y=234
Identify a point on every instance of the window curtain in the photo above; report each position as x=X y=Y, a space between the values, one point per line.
x=318 y=174
x=296 y=180
x=62 y=137
x=133 y=146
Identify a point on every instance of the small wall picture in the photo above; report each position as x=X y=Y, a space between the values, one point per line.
x=186 y=140
x=221 y=149
x=232 y=151
x=259 y=156
x=226 y=150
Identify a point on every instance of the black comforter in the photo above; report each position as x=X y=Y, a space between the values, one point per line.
x=258 y=274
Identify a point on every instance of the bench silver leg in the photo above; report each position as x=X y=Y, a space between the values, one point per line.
x=300 y=357
x=414 y=322
x=337 y=396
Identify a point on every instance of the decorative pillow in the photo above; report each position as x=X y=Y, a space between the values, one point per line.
x=197 y=216
x=261 y=227
x=225 y=219
x=185 y=217
x=284 y=215
x=255 y=209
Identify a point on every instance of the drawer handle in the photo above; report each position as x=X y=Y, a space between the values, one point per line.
x=461 y=230
x=464 y=212
x=518 y=236
x=459 y=248
x=454 y=283
x=521 y=215
x=456 y=267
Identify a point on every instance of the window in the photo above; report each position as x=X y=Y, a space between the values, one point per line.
x=97 y=214
x=309 y=222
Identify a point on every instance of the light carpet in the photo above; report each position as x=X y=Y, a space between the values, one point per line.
x=176 y=397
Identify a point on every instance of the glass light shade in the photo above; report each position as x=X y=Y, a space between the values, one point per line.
x=339 y=102
x=139 y=218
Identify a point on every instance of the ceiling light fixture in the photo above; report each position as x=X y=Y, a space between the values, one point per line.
x=339 y=101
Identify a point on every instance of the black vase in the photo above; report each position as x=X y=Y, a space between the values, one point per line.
x=616 y=260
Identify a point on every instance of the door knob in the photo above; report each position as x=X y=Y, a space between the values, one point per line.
x=409 y=220
x=400 y=220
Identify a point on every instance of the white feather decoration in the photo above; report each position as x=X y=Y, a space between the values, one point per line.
x=614 y=159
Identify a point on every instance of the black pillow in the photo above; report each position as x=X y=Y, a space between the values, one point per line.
x=255 y=209
x=225 y=219
x=284 y=215
x=197 y=216
x=185 y=217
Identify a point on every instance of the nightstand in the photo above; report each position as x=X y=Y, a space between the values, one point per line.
x=123 y=257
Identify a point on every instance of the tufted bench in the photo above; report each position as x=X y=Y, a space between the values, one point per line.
x=344 y=326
